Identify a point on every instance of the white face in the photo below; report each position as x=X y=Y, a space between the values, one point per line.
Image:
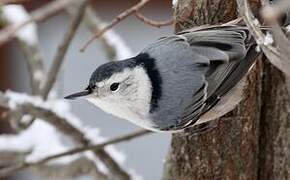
x=126 y=94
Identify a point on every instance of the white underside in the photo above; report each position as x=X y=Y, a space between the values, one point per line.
x=123 y=111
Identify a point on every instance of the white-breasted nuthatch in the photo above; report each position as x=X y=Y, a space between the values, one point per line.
x=178 y=81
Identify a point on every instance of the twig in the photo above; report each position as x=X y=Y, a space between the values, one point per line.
x=96 y=147
x=61 y=51
x=114 y=46
x=29 y=47
x=34 y=63
x=118 y=19
x=153 y=23
x=38 y=15
x=116 y=140
x=94 y=23
x=80 y=166
x=233 y=22
x=3 y=2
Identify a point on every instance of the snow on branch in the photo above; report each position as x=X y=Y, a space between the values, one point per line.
x=116 y=21
x=39 y=150
x=114 y=45
x=16 y=14
x=34 y=138
x=38 y=15
x=117 y=43
x=174 y=3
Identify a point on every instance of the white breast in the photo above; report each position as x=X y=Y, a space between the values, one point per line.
x=127 y=112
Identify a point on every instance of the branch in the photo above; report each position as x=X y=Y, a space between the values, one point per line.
x=276 y=56
x=272 y=12
x=62 y=124
x=28 y=41
x=96 y=147
x=118 y=19
x=78 y=167
x=153 y=23
x=62 y=49
x=114 y=46
x=38 y=15
x=282 y=42
x=58 y=122
x=4 y=2
x=34 y=63
x=116 y=140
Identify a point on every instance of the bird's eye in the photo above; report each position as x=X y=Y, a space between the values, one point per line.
x=114 y=86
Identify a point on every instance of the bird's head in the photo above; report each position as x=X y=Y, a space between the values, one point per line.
x=121 y=88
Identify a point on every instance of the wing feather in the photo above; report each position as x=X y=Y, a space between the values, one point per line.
x=230 y=52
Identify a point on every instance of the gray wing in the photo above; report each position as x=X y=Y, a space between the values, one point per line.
x=231 y=53
x=208 y=62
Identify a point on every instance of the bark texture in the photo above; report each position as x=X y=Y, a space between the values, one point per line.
x=253 y=141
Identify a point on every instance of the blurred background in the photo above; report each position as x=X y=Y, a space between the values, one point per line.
x=146 y=154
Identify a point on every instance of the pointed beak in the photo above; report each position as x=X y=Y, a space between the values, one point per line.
x=77 y=95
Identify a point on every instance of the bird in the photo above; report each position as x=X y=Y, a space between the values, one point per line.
x=180 y=81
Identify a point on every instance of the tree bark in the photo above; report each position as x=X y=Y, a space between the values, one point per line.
x=253 y=141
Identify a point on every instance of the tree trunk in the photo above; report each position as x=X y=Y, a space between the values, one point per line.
x=253 y=141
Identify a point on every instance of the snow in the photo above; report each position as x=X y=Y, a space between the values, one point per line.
x=16 y=99
x=174 y=3
x=256 y=22
x=288 y=28
x=135 y=175
x=38 y=75
x=268 y=39
x=44 y=140
x=258 y=48
x=15 y=15
x=26 y=119
x=41 y=139
x=122 y=49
